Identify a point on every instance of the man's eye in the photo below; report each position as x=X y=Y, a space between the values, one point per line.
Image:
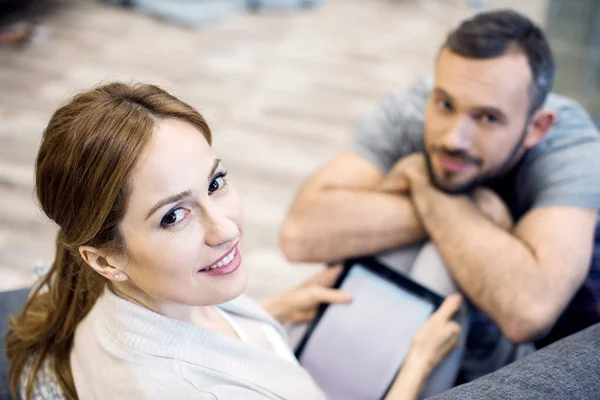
x=217 y=183
x=173 y=217
x=488 y=118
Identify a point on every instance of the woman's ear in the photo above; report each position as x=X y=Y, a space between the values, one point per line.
x=539 y=126
x=103 y=263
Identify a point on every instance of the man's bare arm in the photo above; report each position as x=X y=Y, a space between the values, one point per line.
x=522 y=279
x=342 y=212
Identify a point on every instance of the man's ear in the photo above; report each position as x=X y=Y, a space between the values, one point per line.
x=103 y=263
x=540 y=124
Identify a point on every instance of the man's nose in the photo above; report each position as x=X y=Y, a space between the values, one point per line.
x=459 y=136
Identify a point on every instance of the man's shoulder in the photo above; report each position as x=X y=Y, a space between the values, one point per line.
x=557 y=102
x=394 y=128
x=416 y=95
x=564 y=168
x=573 y=128
x=570 y=114
x=410 y=101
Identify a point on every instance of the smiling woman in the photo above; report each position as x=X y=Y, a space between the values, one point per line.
x=182 y=220
x=144 y=298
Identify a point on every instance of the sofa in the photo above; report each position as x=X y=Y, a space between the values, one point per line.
x=565 y=370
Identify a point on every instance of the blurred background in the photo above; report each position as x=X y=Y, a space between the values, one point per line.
x=283 y=86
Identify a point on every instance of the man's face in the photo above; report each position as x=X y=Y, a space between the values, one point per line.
x=476 y=118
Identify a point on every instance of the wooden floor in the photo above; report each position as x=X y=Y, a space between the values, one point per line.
x=283 y=93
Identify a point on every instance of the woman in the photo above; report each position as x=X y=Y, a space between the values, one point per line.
x=144 y=298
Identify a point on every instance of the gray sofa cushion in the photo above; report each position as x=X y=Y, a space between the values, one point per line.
x=567 y=369
x=10 y=303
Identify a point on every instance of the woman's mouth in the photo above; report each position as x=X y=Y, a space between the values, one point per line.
x=226 y=264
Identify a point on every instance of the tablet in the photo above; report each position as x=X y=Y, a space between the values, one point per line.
x=354 y=350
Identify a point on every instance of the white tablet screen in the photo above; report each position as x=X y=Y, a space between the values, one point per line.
x=355 y=350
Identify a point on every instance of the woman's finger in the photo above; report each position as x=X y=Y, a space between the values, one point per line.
x=447 y=348
x=452 y=330
x=449 y=307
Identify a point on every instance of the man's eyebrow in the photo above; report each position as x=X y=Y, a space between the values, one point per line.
x=442 y=92
x=495 y=111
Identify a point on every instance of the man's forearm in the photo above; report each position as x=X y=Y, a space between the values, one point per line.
x=497 y=271
x=335 y=224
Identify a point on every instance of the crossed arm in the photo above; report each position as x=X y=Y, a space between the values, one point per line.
x=340 y=213
x=522 y=278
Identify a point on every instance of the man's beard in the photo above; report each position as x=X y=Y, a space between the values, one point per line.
x=480 y=180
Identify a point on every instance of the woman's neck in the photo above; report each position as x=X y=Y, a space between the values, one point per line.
x=203 y=316
x=191 y=314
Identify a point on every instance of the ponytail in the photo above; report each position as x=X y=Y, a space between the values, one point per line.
x=43 y=331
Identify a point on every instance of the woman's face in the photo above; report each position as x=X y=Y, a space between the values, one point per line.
x=182 y=226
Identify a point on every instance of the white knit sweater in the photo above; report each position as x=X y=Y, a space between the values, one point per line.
x=125 y=351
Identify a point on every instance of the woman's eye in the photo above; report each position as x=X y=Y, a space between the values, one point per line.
x=173 y=217
x=444 y=105
x=217 y=183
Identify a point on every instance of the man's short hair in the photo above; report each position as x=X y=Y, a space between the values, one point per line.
x=493 y=34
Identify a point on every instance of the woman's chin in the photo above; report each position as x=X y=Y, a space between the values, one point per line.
x=228 y=287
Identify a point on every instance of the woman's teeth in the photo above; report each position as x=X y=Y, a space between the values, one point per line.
x=223 y=262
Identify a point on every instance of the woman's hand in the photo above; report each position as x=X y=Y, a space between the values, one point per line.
x=437 y=337
x=432 y=343
x=301 y=304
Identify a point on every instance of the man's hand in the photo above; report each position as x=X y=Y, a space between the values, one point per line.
x=517 y=277
x=492 y=206
x=411 y=172
x=408 y=170
x=301 y=304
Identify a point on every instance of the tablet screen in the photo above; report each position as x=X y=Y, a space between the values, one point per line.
x=356 y=349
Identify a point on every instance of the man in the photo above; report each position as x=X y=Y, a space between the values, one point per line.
x=484 y=122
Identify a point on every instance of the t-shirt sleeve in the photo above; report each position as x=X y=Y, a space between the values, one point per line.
x=394 y=128
x=566 y=171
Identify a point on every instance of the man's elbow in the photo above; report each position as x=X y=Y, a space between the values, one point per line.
x=528 y=325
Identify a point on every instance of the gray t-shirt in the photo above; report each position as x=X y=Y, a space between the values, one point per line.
x=562 y=170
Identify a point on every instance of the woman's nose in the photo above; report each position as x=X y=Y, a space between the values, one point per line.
x=219 y=228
